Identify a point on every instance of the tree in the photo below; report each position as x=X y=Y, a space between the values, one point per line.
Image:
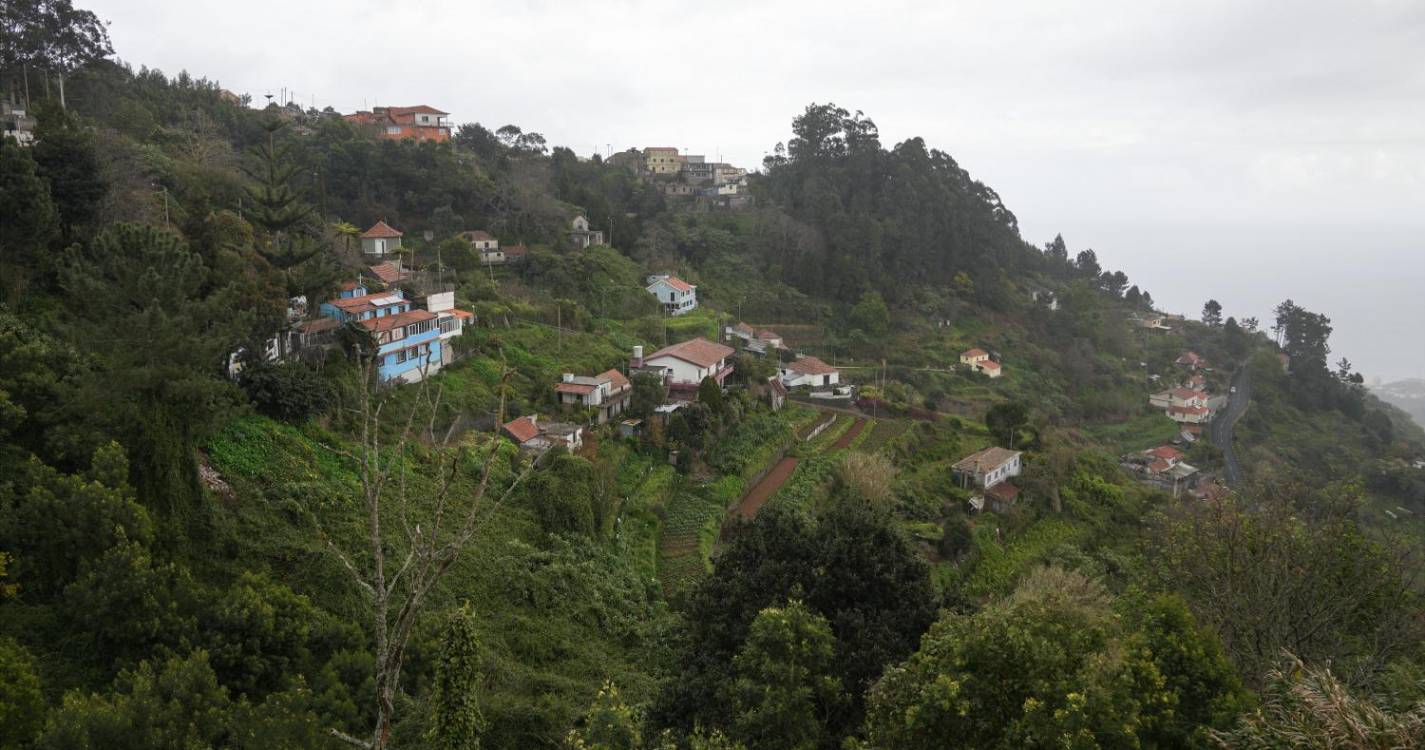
x=67 y=157
x=1212 y=313
x=1056 y=251
x=22 y=704
x=398 y=569
x=710 y=394
x=649 y=392
x=1307 y=706
x=786 y=690
x=28 y=215
x=1004 y=421
x=1042 y=668
x=1087 y=264
x=611 y=724
x=1114 y=282
x=455 y=701
x=1207 y=692
x=1133 y=296
x=870 y=315
x=289 y=391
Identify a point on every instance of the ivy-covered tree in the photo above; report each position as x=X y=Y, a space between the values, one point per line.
x=786 y=691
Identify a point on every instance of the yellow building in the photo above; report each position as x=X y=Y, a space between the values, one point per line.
x=662 y=160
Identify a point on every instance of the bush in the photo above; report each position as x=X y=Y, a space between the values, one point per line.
x=290 y=391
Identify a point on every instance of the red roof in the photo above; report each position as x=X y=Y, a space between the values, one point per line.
x=616 y=379
x=974 y=353
x=1004 y=492
x=576 y=388
x=515 y=250
x=462 y=313
x=1189 y=358
x=988 y=364
x=1166 y=452
x=350 y=285
x=388 y=322
x=1158 y=466
x=523 y=429
x=677 y=283
x=388 y=272
x=1188 y=410
x=811 y=366
x=380 y=230
x=1187 y=394
x=769 y=336
x=367 y=302
x=699 y=351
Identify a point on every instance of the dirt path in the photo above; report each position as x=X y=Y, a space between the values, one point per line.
x=849 y=435
x=766 y=488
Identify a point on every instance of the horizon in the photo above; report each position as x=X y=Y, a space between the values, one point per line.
x=1172 y=140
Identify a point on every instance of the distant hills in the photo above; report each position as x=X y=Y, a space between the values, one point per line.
x=1407 y=394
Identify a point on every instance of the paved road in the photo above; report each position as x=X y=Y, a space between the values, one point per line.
x=1226 y=421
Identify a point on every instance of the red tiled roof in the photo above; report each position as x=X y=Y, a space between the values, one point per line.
x=677 y=283
x=988 y=364
x=811 y=366
x=350 y=285
x=977 y=352
x=778 y=387
x=1189 y=358
x=1004 y=491
x=699 y=351
x=1187 y=393
x=388 y=322
x=1158 y=466
x=365 y=302
x=576 y=388
x=616 y=379
x=380 y=230
x=986 y=460
x=523 y=429
x=388 y=272
x=466 y=314
x=1188 y=410
x=1166 y=452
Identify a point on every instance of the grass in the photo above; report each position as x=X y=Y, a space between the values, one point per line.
x=1139 y=433
x=1002 y=565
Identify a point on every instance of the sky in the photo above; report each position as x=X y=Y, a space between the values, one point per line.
x=1246 y=150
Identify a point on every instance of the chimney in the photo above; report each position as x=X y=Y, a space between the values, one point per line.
x=568 y=377
x=637 y=361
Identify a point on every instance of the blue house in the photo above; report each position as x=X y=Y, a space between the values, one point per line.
x=407 y=340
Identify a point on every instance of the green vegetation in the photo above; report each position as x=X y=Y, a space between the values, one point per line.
x=298 y=554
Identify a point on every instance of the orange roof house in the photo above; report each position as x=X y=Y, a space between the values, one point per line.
x=421 y=123
x=380 y=241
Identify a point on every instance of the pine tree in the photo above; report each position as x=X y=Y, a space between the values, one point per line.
x=457 y=721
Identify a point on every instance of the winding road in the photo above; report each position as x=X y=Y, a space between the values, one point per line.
x=1225 y=422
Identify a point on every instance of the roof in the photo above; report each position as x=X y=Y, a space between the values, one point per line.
x=769 y=336
x=811 y=366
x=1189 y=357
x=675 y=282
x=366 y=302
x=699 y=351
x=515 y=250
x=388 y=322
x=523 y=429
x=743 y=328
x=1158 y=466
x=1166 y=452
x=1186 y=393
x=575 y=388
x=1004 y=492
x=977 y=352
x=318 y=325
x=466 y=314
x=380 y=230
x=778 y=387
x=478 y=235
x=419 y=109
x=988 y=364
x=617 y=380
x=388 y=272
x=988 y=459
x=350 y=285
x=1188 y=410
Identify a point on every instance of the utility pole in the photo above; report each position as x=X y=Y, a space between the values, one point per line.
x=165 y=206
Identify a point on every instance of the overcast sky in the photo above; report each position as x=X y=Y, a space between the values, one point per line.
x=1244 y=149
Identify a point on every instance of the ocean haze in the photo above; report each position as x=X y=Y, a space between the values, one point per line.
x=1247 y=150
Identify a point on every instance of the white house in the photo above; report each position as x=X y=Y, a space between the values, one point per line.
x=380 y=241
x=485 y=245
x=677 y=296
x=683 y=366
x=808 y=371
x=1178 y=397
x=990 y=470
x=979 y=361
x=449 y=320
x=608 y=392
x=581 y=235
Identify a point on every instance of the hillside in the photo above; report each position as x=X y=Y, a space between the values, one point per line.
x=1408 y=395
x=231 y=517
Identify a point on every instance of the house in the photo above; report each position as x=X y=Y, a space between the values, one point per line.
x=808 y=371
x=1191 y=360
x=1044 y=296
x=777 y=393
x=535 y=436
x=581 y=235
x=677 y=296
x=726 y=174
x=607 y=392
x=420 y=123
x=662 y=160
x=449 y=320
x=741 y=331
x=989 y=467
x=979 y=361
x=1197 y=382
x=990 y=470
x=684 y=366
x=1178 y=397
x=1189 y=414
x=485 y=245
x=408 y=341
x=514 y=253
x=17 y=123
x=1164 y=467
x=770 y=340
x=380 y=242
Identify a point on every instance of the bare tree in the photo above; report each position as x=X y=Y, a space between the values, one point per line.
x=412 y=536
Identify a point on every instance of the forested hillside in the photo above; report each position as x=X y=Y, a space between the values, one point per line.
x=204 y=546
